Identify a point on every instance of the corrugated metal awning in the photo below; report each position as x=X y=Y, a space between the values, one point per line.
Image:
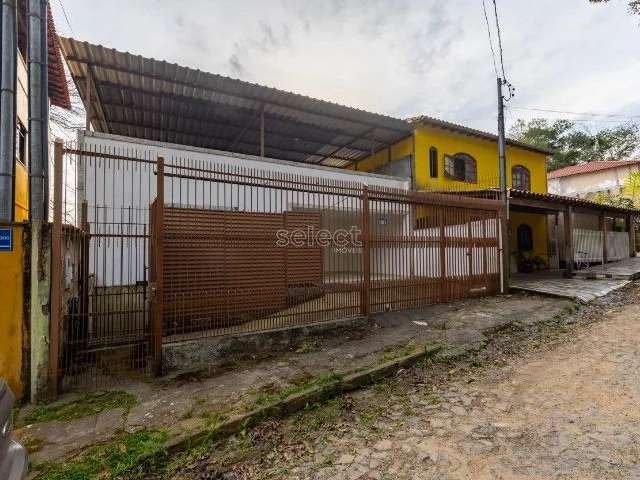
x=146 y=98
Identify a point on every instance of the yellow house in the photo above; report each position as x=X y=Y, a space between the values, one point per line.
x=443 y=156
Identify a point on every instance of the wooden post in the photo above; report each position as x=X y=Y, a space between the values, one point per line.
x=444 y=287
x=605 y=240
x=366 y=263
x=56 y=310
x=158 y=299
x=503 y=218
x=568 y=241
x=632 y=235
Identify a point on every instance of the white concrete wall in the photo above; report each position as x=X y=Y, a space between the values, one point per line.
x=585 y=184
x=118 y=194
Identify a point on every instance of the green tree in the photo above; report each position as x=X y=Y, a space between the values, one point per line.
x=631 y=188
x=634 y=5
x=572 y=145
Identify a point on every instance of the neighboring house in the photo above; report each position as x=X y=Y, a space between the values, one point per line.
x=588 y=179
x=12 y=262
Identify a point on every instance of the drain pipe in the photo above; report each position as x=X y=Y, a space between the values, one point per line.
x=8 y=80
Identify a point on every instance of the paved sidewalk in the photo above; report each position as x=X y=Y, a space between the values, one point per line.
x=578 y=289
x=185 y=401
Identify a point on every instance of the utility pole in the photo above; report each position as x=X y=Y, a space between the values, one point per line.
x=40 y=278
x=504 y=197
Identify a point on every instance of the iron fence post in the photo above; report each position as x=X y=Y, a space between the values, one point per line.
x=158 y=298
x=366 y=264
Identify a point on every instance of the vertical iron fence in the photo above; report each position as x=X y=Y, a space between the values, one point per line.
x=160 y=250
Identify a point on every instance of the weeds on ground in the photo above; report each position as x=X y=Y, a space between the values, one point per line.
x=124 y=456
x=90 y=404
x=264 y=399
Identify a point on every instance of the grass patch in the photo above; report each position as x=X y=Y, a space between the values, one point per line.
x=111 y=460
x=214 y=419
x=264 y=399
x=90 y=404
x=395 y=352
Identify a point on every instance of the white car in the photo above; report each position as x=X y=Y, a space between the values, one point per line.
x=13 y=456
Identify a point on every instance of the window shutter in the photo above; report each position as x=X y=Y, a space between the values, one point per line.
x=449 y=169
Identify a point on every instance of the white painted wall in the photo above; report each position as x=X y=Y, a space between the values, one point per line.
x=585 y=184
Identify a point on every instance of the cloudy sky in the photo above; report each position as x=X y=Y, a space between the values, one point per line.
x=397 y=57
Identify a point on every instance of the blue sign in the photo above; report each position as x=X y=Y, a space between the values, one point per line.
x=6 y=239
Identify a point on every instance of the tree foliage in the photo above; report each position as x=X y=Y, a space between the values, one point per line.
x=634 y=5
x=572 y=145
x=629 y=196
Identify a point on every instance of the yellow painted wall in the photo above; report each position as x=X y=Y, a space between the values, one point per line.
x=11 y=313
x=12 y=263
x=395 y=152
x=485 y=153
x=538 y=224
x=21 y=193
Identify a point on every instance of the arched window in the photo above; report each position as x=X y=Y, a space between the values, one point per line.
x=461 y=167
x=525 y=238
x=520 y=178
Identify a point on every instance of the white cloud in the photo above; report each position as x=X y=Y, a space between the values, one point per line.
x=395 y=57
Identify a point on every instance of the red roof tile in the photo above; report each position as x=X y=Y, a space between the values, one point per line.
x=590 y=167
x=58 y=90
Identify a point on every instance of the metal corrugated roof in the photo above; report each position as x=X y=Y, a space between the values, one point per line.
x=434 y=122
x=146 y=98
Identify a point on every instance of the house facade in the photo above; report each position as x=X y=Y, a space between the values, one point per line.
x=446 y=157
x=590 y=179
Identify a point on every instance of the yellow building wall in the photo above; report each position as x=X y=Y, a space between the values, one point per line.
x=397 y=151
x=21 y=193
x=538 y=224
x=12 y=263
x=485 y=153
x=11 y=313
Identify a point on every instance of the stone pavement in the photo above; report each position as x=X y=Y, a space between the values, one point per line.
x=184 y=401
x=574 y=288
x=627 y=269
x=565 y=408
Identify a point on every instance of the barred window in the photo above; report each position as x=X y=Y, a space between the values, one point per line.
x=520 y=178
x=460 y=167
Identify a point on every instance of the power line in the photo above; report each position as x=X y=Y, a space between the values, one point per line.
x=493 y=53
x=583 y=114
x=66 y=17
x=495 y=11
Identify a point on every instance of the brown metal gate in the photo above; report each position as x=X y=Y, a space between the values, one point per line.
x=159 y=251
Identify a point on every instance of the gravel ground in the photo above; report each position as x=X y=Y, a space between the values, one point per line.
x=557 y=399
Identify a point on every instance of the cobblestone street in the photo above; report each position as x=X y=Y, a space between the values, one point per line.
x=564 y=405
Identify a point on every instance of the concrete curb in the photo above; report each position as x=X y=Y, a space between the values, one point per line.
x=296 y=402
